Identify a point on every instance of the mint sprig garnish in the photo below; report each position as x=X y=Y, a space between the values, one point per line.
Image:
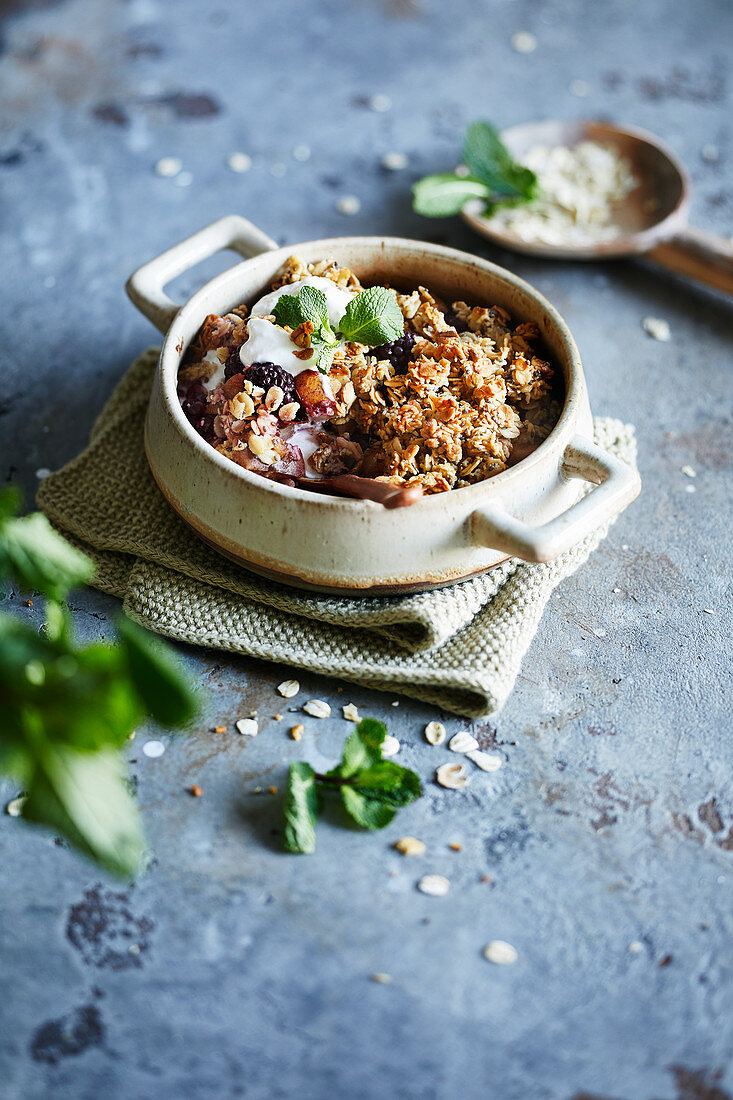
x=68 y=709
x=495 y=177
x=372 y=317
x=372 y=790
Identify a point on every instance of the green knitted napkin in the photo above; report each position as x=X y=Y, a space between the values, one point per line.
x=458 y=647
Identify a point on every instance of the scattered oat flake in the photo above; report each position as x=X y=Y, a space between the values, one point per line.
x=463 y=742
x=277 y=170
x=184 y=179
x=302 y=153
x=317 y=708
x=500 y=952
x=635 y=947
x=42 y=473
x=248 y=727
x=134 y=949
x=688 y=471
x=437 y=886
x=657 y=328
x=395 y=702
x=195 y=790
x=390 y=746
x=348 y=204
x=14 y=808
x=524 y=42
x=288 y=688
x=153 y=749
x=239 y=162
x=710 y=153
x=708 y=611
x=486 y=761
x=410 y=846
x=350 y=713
x=690 y=489
x=395 y=162
x=380 y=103
x=579 y=88
x=383 y=979
x=297 y=732
x=452 y=776
x=435 y=733
x=168 y=167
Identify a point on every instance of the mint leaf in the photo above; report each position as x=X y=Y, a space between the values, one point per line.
x=313 y=305
x=83 y=796
x=10 y=501
x=445 y=194
x=372 y=317
x=302 y=806
x=362 y=749
x=389 y=782
x=309 y=304
x=39 y=559
x=156 y=675
x=365 y=811
x=490 y=161
x=287 y=311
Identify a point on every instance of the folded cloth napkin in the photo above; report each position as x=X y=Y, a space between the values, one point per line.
x=459 y=647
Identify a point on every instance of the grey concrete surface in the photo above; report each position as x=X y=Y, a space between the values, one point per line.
x=233 y=970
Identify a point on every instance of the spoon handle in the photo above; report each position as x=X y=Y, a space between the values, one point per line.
x=698 y=255
x=365 y=488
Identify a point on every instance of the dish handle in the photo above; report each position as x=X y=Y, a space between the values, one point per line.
x=146 y=286
x=618 y=484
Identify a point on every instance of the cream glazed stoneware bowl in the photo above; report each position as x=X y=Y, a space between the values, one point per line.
x=533 y=510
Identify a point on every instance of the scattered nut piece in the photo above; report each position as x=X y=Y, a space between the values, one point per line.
x=272 y=790
x=410 y=846
x=657 y=328
x=435 y=885
x=273 y=398
x=463 y=742
x=317 y=708
x=297 y=731
x=289 y=412
x=453 y=776
x=390 y=746
x=383 y=979
x=288 y=688
x=500 y=952
x=350 y=713
x=435 y=733
x=278 y=717
x=195 y=790
x=455 y=847
x=248 y=727
x=220 y=729
x=688 y=471
x=14 y=808
x=486 y=761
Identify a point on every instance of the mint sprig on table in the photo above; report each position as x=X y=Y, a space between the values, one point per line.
x=66 y=709
x=493 y=175
x=372 y=317
x=372 y=790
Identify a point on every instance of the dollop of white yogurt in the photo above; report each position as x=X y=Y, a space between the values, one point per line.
x=218 y=376
x=268 y=343
x=336 y=297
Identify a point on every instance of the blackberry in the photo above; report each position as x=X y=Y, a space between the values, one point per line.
x=398 y=352
x=233 y=364
x=270 y=374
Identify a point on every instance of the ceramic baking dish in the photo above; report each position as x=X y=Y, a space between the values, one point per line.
x=534 y=510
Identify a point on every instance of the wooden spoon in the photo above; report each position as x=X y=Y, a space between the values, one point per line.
x=652 y=219
x=364 y=488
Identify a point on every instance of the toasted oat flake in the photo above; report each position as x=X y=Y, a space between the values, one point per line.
x=288 y=688
x=239 y=162
x=380 y=103
x=410 y=846
x=153 y=749
x=390 y=746
x=500 y=952
x=14 y=808
x=350 y=712
x=708 y=611
x=690 y=489
x=463 y=742
x=43 y=473
x=657 y=328
x=524 y=42
x=348 y=204
x=453 y=776
x=317 y=708
x=688 y=471
x=382 y=979
x=435 y=733
x=635 y=947
x=437 y=886
x=248 y=727
x=486 y=761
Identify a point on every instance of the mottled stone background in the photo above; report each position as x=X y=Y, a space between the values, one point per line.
x=230 y=969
